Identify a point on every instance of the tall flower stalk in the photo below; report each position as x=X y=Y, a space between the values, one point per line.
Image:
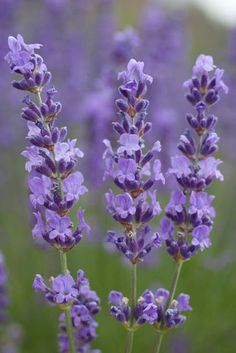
x=55 y=187
x=189 y=213
x=135 y=173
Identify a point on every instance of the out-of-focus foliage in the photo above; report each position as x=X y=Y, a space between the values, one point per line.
x=78 y=39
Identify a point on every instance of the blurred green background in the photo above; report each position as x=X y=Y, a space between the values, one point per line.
x=209 y=278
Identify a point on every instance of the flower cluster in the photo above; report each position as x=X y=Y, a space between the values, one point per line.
x=54 y=187
x=51 y=159
x=3 y=293
x=189 y=214
x=134 y=172
x=83 y=304
x=25 y=62
x=152 y=308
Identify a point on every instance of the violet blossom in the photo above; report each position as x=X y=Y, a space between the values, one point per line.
x=151 y=308
x=190 y=211
x=55 y=187
x=133 y=171
x=51 y=159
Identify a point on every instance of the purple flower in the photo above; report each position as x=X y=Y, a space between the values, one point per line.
x=126 y=169
x=26 y=63
x=39 y=284
x=177 y=201
x=135 y=248
x=135 y=72
x=156 y=208
x=183 y=302
x=83 y=309
x=208 y=168
x=190 y=210
x=148 y=296
x=39 y=227
x=203 y=89
x=201 y=204
x=20 y=54
x=67 y=150
x=152 y=308
x=55 y=187
x=54 y=184
x=180 y=166
x=62 y=289
x=15 y=44
x=73 y=187
x=219 y=82
x=60 y=226
x=133 y=171
x=80 y=315
x=129 y=143
x=120 y=206
x=157 y=240
x=63 y=286
x=201 y=237
x=167 y=228
x=33 y=156
x=204 y=64
x=83 y=226
x=162 y=295
x=150 y=313
x=40 y=187
x=120 y=309
x=157 y=171
x=115 y=297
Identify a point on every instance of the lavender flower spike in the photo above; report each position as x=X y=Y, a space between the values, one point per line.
x=82 y=302
x=136 y=173
x=190 y=210
x=23 y=60
x=55 y=186
x=189 y=213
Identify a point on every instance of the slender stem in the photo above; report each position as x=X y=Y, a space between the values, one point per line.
x=174 y=283
x=63 y=259
x=159 y=338
x=129 y=342
x=39 y=99
x=69 y=327
x=133 y=290
x=130 y=335
x=158 y=342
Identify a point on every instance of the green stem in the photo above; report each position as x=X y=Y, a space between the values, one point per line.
x=133 y=291
x=63 y=259
x=174 y=283
x=69 y=327
x=158 y=342
x=38 y=97
x=129 y=342
x=130 y=336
